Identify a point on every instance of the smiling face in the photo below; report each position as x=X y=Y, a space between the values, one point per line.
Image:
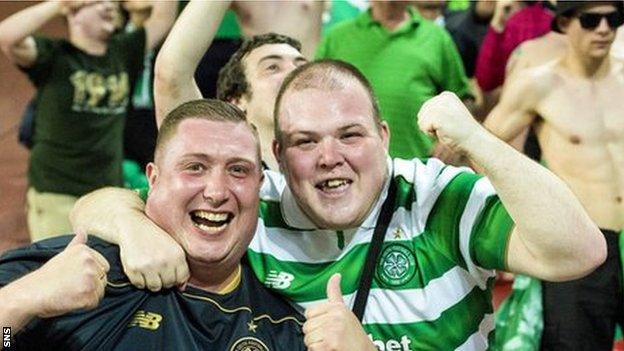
x=205 y=189
x=332 y=153
x=265 y=70
x=591 y=43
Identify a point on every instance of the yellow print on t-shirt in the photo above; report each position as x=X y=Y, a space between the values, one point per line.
x=95 y=93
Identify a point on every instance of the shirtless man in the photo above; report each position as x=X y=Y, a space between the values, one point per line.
x=299 y=19
x=573 y=103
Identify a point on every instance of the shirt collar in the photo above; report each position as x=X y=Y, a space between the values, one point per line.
x=296 y=218
x=365 y=19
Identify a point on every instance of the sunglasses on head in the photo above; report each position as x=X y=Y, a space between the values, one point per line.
x=590 y=20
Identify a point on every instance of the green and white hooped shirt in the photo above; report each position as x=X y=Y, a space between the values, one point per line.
x=432 y=285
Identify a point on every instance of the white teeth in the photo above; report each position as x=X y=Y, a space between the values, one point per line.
x=211 y=216
x=210 y=229
x=334 y=183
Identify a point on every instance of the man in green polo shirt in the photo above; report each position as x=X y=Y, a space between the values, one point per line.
x=407 y=60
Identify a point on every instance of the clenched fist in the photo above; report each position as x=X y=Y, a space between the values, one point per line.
x=332 y=326
x=445 y=117
x=74 y=279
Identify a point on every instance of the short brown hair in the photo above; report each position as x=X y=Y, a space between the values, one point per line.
x=323 y=74
x=208 y=109
x=232 y=82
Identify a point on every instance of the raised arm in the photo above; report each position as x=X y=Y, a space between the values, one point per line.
x=74 y=279
x=554 y=238
x=515 y=110
x=150 y=257
x=16 y=40
x=160 y=21
x=179 y=56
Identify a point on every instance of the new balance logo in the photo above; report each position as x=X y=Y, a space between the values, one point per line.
x=278 y=280
x=146 y=320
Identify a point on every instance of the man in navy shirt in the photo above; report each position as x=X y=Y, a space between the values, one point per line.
x=204 y=183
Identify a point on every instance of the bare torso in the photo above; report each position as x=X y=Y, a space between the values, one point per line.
x=300 y=19
x=536 y=52
x=581 y=133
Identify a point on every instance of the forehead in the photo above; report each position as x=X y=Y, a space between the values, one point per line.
x=598 y=7
x=267 y=51
x=213 y=139
x=319 y=109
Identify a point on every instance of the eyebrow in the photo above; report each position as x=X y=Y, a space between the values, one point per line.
x=311 y=132
x=280 y=57
x=205 y=157
x=349 y=126
x=271 y=57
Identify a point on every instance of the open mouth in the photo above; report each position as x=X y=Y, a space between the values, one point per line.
x=211 y=222
x=334 y=184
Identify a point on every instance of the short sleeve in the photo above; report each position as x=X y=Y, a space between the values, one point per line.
x=490 y=235
x=47 y=50
x=16 y=263
x=453 y=75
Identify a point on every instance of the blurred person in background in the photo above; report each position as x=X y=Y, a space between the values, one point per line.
x=468 y=28
x=83 y=92
x=573 y=104
x=407 y=60
x=513 y=22
x=251 y=78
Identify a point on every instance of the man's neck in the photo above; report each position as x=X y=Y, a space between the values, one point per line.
x=89 y=45
x=214 y=279
x=391 y=14
x=265 y=132
x=587 y=67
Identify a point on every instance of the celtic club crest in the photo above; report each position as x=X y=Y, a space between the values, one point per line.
x=397 y=265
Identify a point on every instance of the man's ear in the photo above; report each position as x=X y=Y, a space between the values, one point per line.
x=384 y=133
x=240 y=102
x=151 y=171
x=276 y=147
x=563 y=23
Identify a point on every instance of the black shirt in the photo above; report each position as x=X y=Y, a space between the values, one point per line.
x=131 y=319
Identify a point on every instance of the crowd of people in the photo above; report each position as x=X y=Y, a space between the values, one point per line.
x=356 y=187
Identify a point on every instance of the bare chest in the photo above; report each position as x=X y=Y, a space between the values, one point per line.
x=586 y=112
x=265 y=16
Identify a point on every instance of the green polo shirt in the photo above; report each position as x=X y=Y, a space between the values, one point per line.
x=406 y=67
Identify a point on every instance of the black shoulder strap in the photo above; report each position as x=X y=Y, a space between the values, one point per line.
x=374 y=249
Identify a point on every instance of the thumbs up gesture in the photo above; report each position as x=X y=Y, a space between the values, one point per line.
x=332 y=326
x=71 y=280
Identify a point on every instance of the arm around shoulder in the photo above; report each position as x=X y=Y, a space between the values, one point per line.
x=151 y=257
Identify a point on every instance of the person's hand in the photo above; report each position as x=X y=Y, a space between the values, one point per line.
x=445 y=117
x=332 y=326
x=70 y=6
x=74 y=279
x=503 y=10
x=150 y=257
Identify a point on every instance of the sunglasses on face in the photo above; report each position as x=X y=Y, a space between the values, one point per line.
x=590 y=20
